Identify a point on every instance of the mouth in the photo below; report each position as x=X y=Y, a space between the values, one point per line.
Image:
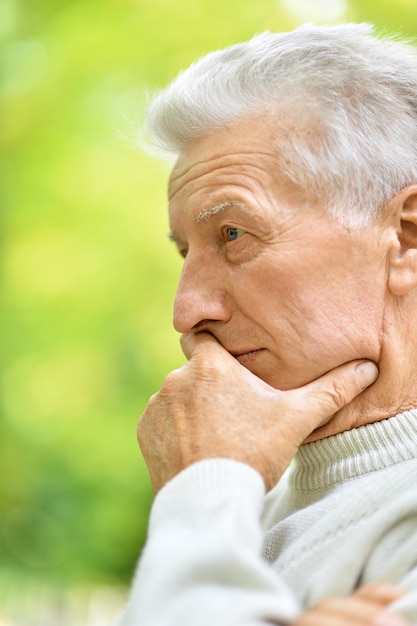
x=247 y=356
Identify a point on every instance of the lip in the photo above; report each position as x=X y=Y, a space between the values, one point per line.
x=247 y=355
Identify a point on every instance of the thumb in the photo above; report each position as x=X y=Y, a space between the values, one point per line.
x=326 y=395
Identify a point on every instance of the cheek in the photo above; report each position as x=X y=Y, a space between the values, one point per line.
x=342 y=326
x=317 y=317
x=278 y=303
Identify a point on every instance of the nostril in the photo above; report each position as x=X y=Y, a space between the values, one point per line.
x=201 y=326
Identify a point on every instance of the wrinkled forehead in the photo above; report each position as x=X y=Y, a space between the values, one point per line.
x=245 y=141
x=248 y=178
x=263 y=140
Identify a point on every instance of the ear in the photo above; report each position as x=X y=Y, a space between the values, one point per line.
x=403 y=263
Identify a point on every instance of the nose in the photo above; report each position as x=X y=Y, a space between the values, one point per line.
x=201 y=296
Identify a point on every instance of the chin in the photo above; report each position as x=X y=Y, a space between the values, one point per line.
x=276 y=373
x=282 y=382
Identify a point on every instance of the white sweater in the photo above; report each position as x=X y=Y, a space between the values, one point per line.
x=344 y=515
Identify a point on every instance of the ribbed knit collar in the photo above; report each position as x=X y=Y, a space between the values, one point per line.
x=356 y=452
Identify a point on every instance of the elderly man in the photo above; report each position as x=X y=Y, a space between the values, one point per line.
x=293 y=201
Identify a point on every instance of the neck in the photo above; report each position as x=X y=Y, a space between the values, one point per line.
x=394 y=391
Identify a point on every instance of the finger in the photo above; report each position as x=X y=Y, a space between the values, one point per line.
x=316 y=618
x=384 y=593
x=340 y=618
x=323 y=397
x=194 y=343
x=390 y=619
x=354 y=607
x=352 y=610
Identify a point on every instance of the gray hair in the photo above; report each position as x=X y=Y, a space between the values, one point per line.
x=350 y=98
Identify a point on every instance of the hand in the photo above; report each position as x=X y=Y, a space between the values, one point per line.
x=366 y=607
x=213 y=407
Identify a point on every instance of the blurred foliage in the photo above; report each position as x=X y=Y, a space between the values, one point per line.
x=87 y=275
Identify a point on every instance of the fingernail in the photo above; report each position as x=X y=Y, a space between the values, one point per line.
x=389 y=619
x=367 y=373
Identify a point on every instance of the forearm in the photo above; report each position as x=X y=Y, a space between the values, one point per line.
x=202 y=563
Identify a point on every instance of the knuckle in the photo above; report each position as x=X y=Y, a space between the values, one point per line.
x=141 y=430
x=173 y=381
x=209 y=369
x=152 y=407
x=337 y=394
x=173 y=377
x=153 y=399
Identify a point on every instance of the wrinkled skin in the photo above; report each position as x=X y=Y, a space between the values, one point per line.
x=278 y=306
x=214 y=407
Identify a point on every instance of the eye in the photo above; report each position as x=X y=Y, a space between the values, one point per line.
x=231 y=233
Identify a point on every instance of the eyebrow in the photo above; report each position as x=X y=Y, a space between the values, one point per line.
x=205 y=214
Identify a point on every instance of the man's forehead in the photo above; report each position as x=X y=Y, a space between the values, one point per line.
x=247 y=141
x=216 y=167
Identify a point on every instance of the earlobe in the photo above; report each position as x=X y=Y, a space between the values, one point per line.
x=403 y=263
x=403 y=274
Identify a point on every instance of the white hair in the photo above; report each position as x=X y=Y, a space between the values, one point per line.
x=350 y=99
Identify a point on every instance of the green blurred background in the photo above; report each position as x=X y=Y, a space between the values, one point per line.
x=88 y=277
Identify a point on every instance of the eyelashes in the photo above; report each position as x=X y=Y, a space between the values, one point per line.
x=229 y=234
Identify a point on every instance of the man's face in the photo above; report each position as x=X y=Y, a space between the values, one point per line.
x=282 y=287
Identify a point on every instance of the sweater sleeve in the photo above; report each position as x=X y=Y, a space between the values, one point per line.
x=201 y=563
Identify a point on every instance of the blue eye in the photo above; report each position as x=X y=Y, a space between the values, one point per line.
x=232 y=233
